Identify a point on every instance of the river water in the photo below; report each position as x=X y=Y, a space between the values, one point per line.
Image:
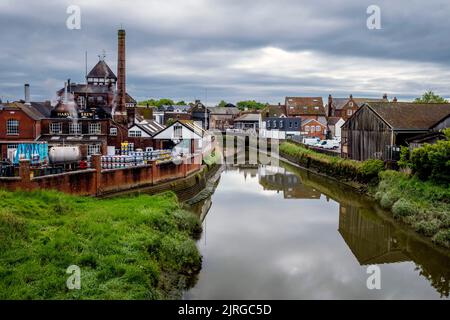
x=283 y=233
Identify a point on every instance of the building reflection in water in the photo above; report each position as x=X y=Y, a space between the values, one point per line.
x=278 y=179
x=373 y=240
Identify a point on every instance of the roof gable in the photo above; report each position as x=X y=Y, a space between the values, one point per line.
x=101 y=70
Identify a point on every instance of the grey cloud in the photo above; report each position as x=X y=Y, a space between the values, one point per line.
x=204 y=39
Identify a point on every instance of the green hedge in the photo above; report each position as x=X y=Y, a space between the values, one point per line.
x=365 y=172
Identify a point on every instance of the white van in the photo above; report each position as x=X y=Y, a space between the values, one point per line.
x=311 y=141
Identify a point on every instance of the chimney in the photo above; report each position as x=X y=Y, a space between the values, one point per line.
x=27 y=94
x=65 y=93
x=395 y=99
x=351 y=96
x=330 y=106
x=385 y=96
x=120 y=113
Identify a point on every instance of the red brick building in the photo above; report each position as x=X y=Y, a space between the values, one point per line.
x=346 y=107
x=305 y=108
x=18 y=123
x=312 y=128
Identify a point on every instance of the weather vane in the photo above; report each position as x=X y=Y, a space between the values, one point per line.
x=102 y=55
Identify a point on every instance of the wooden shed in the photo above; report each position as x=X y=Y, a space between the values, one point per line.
x=377 y=129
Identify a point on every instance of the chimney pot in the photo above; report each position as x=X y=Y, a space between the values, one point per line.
x=395 y=99
x=385 y=96
x=27 y=94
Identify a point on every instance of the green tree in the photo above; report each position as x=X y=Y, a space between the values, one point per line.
x=156 y=103
x=430 y=97
x=250 y=105
x=170 y=121
x=222 y=103
x=181 y=103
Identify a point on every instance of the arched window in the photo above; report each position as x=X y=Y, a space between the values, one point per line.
x=12 y=127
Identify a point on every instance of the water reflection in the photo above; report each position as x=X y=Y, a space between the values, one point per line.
x=280 y=232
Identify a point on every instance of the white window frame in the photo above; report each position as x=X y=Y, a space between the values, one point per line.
x=307 y=128
x=94 y=149
x=318 y=129
x=74 y=128
x=56 y=128
x=95 y=128
x=349 y=112
x=12 y=127
x=135 y=133
x=178 y=131
x=113 y=131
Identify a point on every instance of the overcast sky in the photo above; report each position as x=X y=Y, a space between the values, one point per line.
x=236 y=49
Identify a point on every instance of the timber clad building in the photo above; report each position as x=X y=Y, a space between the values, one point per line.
x=376 y=128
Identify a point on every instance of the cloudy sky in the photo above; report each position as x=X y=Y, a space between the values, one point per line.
x=233 y=49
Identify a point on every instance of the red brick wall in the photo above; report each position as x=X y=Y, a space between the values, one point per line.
x=96 y=181
x=28 y=128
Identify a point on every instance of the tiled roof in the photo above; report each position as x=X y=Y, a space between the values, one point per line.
x=33 y=113
x=248 y=117
x=223 y=110
x=101 y=70
x=408 y=115
x=333 y=120
x=272 y=110
x=304 y=106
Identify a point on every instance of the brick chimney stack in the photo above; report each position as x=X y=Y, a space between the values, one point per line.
x=330 y=106
x=120 y=113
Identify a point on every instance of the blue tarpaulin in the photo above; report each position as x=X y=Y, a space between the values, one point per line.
x=37 y=153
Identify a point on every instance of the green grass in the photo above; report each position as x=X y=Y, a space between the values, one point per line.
x=127 y=248
x=335 y=166
x=423 y=205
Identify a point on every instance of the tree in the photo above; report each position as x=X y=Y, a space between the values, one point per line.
x=181 y=103
x=222 y=104
x=430 y=97
x=156 y=103
x=250 y=105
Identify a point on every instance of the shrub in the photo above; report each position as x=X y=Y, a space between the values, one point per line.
x=371 y=168
x=432 y=162
x=405 y=155
x=442 y=237
x=388 y=199
x=404 y=208
x=428 y=228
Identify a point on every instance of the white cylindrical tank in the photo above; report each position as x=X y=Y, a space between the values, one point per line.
x=64 y=154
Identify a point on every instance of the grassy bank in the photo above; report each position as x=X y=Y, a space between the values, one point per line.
x=337 y=167
x=127 y=248
x=423 y=205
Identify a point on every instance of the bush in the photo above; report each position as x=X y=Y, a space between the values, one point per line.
x=432 y=162
x=371 y=168
x=404 y=208
x=388 y=199
x=428 y=228
x=442 y=238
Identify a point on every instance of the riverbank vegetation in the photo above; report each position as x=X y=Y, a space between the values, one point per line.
x=334 y=166
x=127 y=248
x=420 y=199
x=423 y=205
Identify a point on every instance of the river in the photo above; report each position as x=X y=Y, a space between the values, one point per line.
x=283 y=233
